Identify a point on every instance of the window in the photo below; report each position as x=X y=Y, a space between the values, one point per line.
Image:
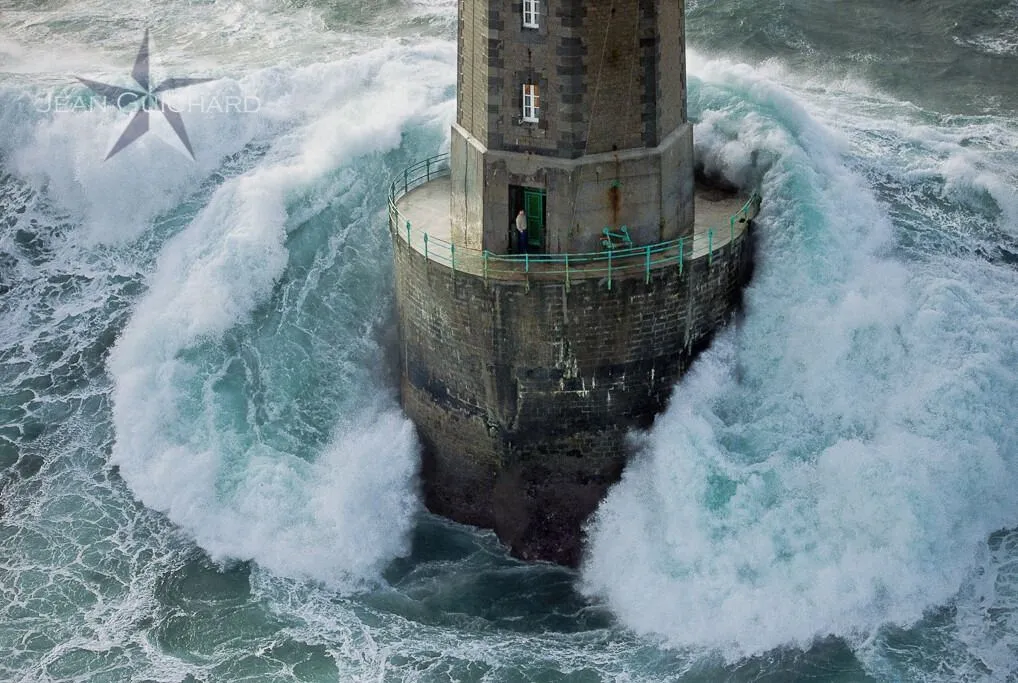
x=530 y=13
x=531 y=103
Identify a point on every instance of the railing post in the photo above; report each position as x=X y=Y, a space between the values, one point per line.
x=425 y=246
x=609 y=269
x=682 y=255
x=567 y=271
x=646 y=268
x=484 y=260
x=408 y=233
x=710 y=247
x=526 y=261
x=452 y=249
x=427 y=166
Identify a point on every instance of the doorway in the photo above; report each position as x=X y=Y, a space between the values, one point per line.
x=532 y=201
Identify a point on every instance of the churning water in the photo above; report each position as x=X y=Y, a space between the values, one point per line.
x=204 y=472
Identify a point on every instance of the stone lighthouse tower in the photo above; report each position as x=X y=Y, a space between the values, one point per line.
x=525 y=363
x=575 y=112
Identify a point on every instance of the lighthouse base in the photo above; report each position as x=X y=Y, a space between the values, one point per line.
x=524 y=390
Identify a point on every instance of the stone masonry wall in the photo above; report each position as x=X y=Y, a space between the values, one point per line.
x=615 y=76
x=611 y=74
x=472 y=67
x=522 y=396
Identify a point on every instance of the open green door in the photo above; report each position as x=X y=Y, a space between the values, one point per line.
x=533 y=205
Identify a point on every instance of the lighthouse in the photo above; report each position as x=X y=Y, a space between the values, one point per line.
x=574 y=112
x=553 y=280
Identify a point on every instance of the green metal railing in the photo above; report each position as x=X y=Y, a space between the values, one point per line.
x=610 y=265
x=416 y=175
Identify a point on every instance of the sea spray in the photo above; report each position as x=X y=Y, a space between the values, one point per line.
x=804 y=481
x=190 y=435
x=99 y=587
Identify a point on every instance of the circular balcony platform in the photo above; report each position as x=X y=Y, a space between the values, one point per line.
x=419 y=213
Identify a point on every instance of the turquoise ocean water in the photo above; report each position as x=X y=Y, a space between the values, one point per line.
x=204 y=472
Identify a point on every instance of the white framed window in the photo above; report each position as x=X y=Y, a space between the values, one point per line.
x=531 y=103
x=530 y=13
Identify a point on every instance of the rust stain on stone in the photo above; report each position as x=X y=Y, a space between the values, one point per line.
x=615 y=201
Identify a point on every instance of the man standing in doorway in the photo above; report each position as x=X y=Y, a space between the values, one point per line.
x=521 y=232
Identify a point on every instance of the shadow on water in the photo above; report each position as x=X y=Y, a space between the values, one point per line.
x=456 y=574
x=461 y=578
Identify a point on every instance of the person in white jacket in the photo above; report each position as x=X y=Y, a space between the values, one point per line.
x=521 y=232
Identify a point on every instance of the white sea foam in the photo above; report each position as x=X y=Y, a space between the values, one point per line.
x=1001 y=38
x=341 y=517
x=104 y=35
x=827 y=462
x=834 y=463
